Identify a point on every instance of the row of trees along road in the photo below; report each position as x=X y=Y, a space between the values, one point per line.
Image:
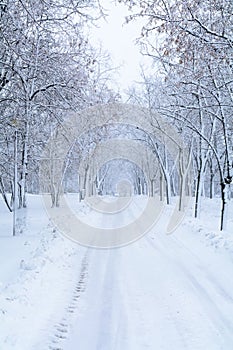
x=191 y=45
x=47 y=68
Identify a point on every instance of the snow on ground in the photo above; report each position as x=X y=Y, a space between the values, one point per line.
x=161 y=292
x=39 y=269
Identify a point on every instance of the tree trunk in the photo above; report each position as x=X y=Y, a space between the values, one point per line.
x=182 y=191
x=4 y=196
x=151 y=188
x=161 y=187
x=173 y=187
x=212 y=186
x=198 y=193
x=224 y=206
x=22 y=181
x=168 y=188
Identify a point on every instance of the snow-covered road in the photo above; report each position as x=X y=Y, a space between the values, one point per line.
x=161 y=292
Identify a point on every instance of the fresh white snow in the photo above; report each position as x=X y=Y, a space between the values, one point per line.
x=160 y=292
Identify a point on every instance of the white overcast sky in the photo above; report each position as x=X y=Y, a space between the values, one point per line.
x=119 y=40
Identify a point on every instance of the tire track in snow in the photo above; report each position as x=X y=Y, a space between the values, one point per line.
x=112 y=323
x=61 y=329
x=99 y=325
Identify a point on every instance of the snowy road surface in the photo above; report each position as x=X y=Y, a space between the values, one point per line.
x=161 y=292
